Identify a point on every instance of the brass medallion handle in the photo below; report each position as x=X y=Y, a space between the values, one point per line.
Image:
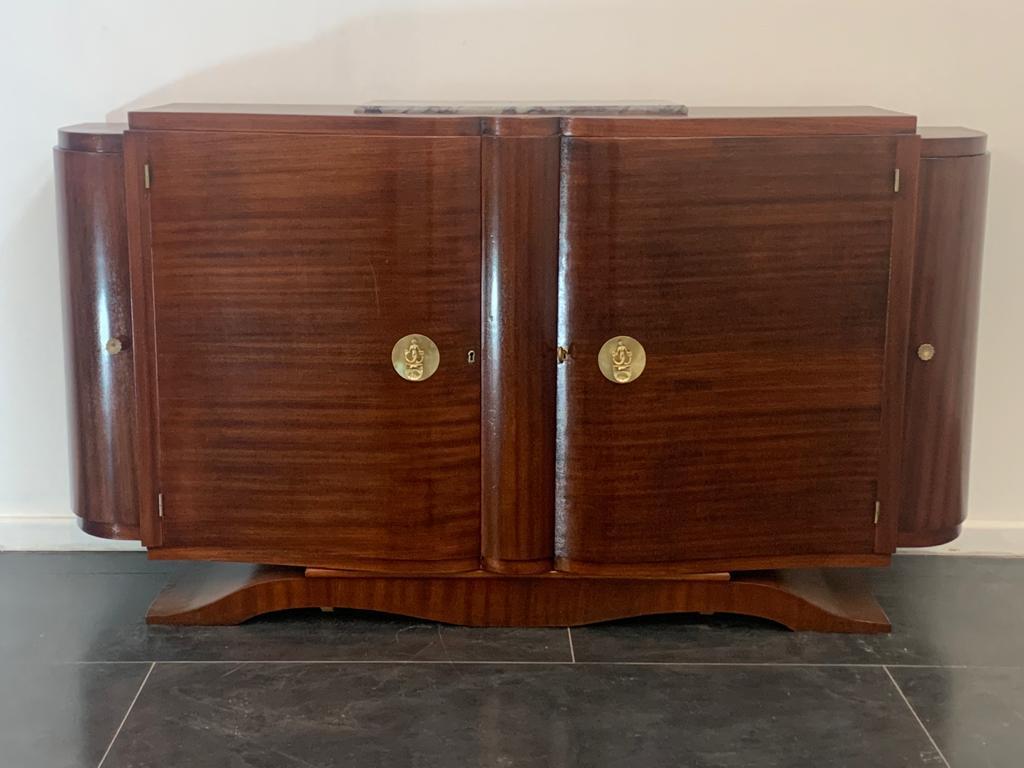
x=622 y=359
x=113 y=346
x=415 y=357
x=926 y=352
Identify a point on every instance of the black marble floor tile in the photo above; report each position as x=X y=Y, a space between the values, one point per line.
x=96 y=612
x=24 y=564
x=338 y=636
x=71 y=616
x=944 y=610
x=313 y=715
x=976 y=716
x=63 y=715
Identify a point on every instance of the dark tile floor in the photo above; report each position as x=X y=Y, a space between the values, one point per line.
x=83 y=682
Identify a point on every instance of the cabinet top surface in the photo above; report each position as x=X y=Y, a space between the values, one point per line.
x=649 y=119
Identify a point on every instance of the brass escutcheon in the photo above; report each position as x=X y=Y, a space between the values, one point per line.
x=622 y=359
x=926 y=352
x=415 y=357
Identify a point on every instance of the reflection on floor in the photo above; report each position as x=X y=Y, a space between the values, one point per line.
x=84 y=682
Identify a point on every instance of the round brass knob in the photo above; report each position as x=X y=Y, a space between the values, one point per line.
x=415 y=357
x=926 y=352
x=622 y=359
x=113 y=346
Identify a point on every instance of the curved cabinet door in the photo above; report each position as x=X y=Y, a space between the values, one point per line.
x=944 y=316
x=765 y=281
x=89 y=175
x=280 y=271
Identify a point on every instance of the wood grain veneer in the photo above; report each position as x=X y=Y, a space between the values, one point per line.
x=283 y=270
x=939 y=141
x=92 y=137
x=520 y=312
x=259 y=262
x=97 y=309
x=947 y=282
x=757 y=273
x=807 y=600
x=701 y=121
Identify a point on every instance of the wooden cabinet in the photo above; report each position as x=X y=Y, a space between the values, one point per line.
x=506 y=367
x=283 y=270
x=757 y=274
x=943 y=335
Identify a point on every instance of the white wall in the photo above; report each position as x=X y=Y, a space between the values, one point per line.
x=86 y=60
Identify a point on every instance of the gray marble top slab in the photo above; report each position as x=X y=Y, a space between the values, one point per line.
x=599 y=109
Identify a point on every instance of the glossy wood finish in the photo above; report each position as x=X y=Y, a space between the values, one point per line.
x=297 y=119
x=951 y=142
x=140 y=267
x=939 y=392
x=520 y=271
x=93 y=137
x=801 y=600
x=762 y=256
x=756 y=272
x=671 y=569
x=897 y=331
x=97 y=308
x=283 y=270
x=747 y=121
x=700 y=121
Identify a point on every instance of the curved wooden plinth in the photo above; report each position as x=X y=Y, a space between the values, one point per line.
x=817 y=600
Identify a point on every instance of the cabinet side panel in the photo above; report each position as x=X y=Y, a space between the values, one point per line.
x=944 y=314
x=98 y=341
x=520 y=270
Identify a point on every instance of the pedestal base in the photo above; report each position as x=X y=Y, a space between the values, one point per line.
x=816 y=600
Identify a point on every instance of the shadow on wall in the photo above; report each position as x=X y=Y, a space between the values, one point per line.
x=445 y=56
x=34 y=443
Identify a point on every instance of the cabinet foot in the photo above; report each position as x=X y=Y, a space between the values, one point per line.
x=814 y=600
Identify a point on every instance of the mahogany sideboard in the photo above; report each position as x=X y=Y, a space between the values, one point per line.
x=521 y=367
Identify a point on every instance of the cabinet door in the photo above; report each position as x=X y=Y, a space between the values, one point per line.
x=284 y=270
x=755 y=273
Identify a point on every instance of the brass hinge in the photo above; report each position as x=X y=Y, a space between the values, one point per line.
x=562 y=354
x=878 y=511
x=896 y=181
x=160 y=504
x=145 y=176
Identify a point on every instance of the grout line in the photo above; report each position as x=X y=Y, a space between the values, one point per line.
x=906 y=701
x=125 y=718
x=572 y=651
x=794 y=664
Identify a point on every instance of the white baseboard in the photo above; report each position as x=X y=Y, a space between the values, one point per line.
x=53 y=533
x=60 y=533
x=983 y=537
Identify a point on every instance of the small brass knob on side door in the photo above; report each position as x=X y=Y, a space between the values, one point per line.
x=622 y=359
x=113 y=346
x=415 y=357
x=926 y=352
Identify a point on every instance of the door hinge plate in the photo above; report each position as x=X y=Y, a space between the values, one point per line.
x=145 y=176
x=160 y=504
x=878 y=511
x=896 y=180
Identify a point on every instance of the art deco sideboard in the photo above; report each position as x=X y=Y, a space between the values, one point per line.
x=521 y=366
